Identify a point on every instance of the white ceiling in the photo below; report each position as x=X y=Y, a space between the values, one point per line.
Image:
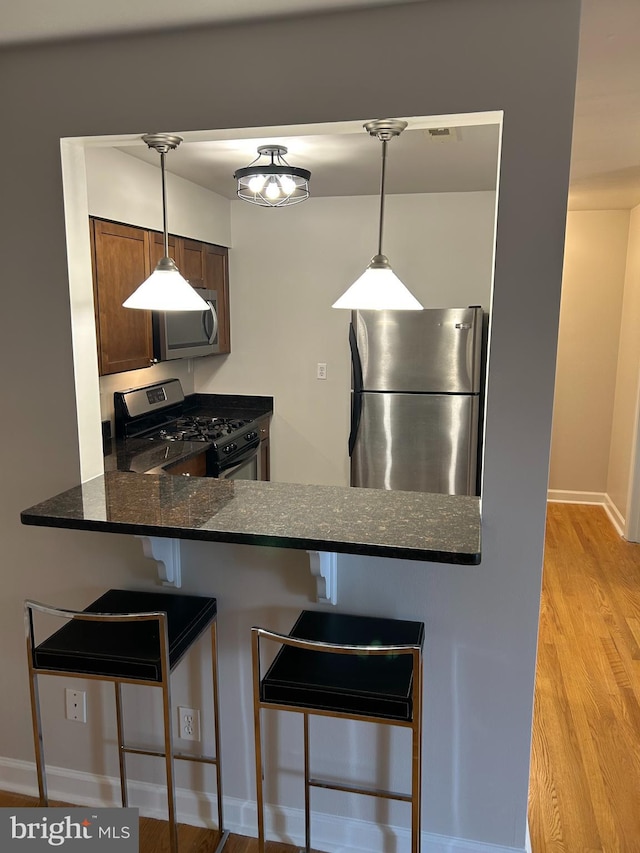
x=343 y=158
x=605 y=166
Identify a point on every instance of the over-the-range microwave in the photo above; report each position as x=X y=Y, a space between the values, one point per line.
x=185 y=334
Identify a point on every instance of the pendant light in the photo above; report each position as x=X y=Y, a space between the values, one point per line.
x=165 y=289
x=379 y=287
x=274 y=184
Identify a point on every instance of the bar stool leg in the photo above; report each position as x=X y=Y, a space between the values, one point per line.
x=415 y=796
x=307 y=797
x=168 y=736
x=416 y=756
x=37 y=732
x=255 y=658
x=216 y=721
x=121 y=753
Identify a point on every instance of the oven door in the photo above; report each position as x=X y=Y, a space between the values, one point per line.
x=248 y=468
x=185 y=334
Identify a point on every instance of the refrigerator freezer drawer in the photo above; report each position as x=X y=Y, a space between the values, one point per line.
x=416 y=442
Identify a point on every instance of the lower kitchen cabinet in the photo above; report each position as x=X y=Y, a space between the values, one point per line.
x=264 y=468
x=194 y=467
x=123 y=257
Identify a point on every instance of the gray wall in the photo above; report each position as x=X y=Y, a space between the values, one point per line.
x=439 y=57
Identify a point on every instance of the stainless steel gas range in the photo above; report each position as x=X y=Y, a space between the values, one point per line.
x=156 y=427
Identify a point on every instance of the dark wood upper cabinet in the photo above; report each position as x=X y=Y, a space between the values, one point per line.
x=156 y=248
x=216 y=277
x=192 y=261
x=123 y=257
x=120 y=264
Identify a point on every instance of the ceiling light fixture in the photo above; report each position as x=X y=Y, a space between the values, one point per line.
x=165 y=289
x=378 y=287
x=274 y=184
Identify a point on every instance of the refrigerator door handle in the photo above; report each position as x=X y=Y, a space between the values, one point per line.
x=356 y=397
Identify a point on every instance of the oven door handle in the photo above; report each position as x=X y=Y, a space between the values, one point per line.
x=214 y=324
x=253 y=451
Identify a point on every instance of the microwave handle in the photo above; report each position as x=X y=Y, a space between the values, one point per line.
x=214 y=317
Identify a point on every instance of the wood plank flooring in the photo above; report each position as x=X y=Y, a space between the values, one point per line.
x=585 y=771
x=585 y=768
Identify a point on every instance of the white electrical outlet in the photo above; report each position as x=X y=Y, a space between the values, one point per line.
x=76 y=705
x=322 y=370
x=189 y=722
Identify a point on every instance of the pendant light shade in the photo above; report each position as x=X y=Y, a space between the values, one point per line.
x=165 y=289
x=379 y=288
x=275 y=183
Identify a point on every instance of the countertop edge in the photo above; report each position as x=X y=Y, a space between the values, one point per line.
x=339 y=547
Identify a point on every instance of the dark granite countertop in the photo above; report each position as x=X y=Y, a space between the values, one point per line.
x=141 y=456
x=408 y=525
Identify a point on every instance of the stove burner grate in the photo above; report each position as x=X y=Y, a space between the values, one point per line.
x=201 y=428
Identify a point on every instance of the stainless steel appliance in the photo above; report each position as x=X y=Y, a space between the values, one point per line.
x=153 y=426
x=185 y=334
x=416 y=399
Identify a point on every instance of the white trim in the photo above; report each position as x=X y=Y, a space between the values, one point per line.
x=631 y=529
x=566 y=497
x=615 y=516
x=598 y=498
x=329 y=832
x=83 y=326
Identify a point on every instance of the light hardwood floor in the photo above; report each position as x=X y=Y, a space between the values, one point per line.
x=585 y=767
x=585 y=770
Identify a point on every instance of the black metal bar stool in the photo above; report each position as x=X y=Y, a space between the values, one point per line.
x=127 y=637
x=352 y=667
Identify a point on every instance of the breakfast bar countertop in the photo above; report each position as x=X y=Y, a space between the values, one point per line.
x=378 y=523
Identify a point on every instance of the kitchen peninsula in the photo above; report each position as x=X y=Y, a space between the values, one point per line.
x=373 y=522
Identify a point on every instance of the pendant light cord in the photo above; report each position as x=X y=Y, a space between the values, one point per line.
x=164 y=207
x=382 y=178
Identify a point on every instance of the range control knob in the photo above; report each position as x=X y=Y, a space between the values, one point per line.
x=250 y=436
x=230 y=448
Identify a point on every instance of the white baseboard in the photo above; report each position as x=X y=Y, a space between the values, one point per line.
x=286 y=825
x=566 y=497
x=599 y=498
x=615 y=516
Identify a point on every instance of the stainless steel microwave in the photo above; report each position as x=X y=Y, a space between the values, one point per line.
x=186 y=334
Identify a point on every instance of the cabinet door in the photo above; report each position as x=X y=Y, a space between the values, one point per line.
x=156 y=249
x=192 y=261
x=216 y=277
x=265 y=456
x=120 y=264
x=194 y=467
x=189 y=256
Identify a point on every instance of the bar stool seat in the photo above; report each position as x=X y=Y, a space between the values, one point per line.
x=348 y=666
x=127 y=637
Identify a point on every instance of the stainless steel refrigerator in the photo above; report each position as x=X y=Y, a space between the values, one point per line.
x=416 y=399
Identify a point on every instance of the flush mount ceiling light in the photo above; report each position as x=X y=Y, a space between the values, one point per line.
x=165 y=289
x=274 y=184
x=379 y=287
